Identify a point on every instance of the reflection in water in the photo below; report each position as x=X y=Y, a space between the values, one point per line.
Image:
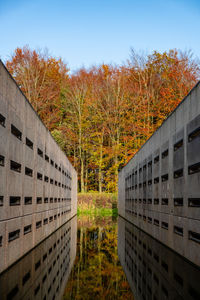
x=43 y=272
x=97 y=273
x=154 y=271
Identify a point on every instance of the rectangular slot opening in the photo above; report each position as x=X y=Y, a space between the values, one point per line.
x=149 y=201
x=40 y=152
x=16 y=132
x=164 y=225
x=2 y=120
x=1 y=200
x=14 y=166
x=39 y=200
x=178 y=201
x=1 y=239
x=164 y=177
x=164 y=201
x=2 y=160
x=149 y=220
x=178 y=173
x=29 y=143
x=156 y=159
x=38 y=224
x=178 y=145
x=52 y=162
x=39 y=176
x=178 y=278
x=51 y=219
x=46 y=200
x=194 y=202
x=164 y=265
x=26 y=277
x=156 y=222
x=15 y=200
x=156 y=180
x=13 y=292
x=165 y=153
x=46 y=158
x=56 y=166
x=156 y=201
x=194 y=236
x=51 y=181
x=178 y=230
x=51 y=200
x=28 y=200
x=28 y=172
x=45 y=221
x=56 y=183
x=194 y=169
x=46 y=178
x=13 y=235
x=194 y=134
x=27 y=229
x=37 y=264
x=149 y=182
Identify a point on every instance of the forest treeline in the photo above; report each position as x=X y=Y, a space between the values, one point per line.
x=101 y=116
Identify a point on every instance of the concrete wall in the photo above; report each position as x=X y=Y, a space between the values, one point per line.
x=43 y=272
x=38 y=184
x=159 y=189
x=153 y=270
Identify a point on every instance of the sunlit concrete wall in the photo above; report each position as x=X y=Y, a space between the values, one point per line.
x=38 y=184
x=159 y=189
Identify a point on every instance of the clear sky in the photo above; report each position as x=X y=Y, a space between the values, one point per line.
x=87 y=32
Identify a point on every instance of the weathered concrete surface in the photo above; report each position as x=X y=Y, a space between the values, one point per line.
x=38 y=184
x=159 y=189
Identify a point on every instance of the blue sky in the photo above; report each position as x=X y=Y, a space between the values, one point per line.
x=88 y=32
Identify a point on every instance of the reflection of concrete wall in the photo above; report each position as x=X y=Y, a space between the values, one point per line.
x=159 y=189
x=45 y=270
x=153 y=270
x=37 y=181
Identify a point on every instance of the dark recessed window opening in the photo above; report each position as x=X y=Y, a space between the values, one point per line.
x=51 y=219
x=164 y=177
x=27 y=229
x=16 y=132
x=14 y=200
x=164 y=201
x=156 y=180
x=164 y=265
x=13 y=292
x=150 y=182
x=55 y=217
x=27 y=200
x=52 y=162
x=46 y=178
x=149 y=220
x=178 y=278
x=178 y=145
x=26 y=277
x=178 y=230
x=46 y=200
x=2 y=120
x=38 y=224
x=194 y=134
x=178 y=173
x=194 y=202
x=59 y=169
x=165 y=292
x=1 y=239
x=194 y=168
x=156 y=222
x=14 y=166
x=29 y=143
x=39 y=176
x=13 y=235
x=51 y=200
x=1 y=200
x=156 y=159
x=165 y=153
x=194 y=236
x=55 y=200
x=156 y=201
x=45 y=221
x=164 y=225
x=39 y=200
x=37 y=289
x=2 y=160
x=46 y=158
x=178 y=201
x=149 y=201
x=40 y=152
x=28 y=172
x=56 y=166
x=51 y=181
x=37 y=264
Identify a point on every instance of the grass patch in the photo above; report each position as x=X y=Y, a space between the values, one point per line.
x=97 y=212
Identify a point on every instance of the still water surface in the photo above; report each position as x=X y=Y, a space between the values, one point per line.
x=100 y=258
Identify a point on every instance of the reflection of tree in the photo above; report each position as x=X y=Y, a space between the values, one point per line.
x=97 y=273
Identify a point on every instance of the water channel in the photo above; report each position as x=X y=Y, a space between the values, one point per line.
x=100 y=258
